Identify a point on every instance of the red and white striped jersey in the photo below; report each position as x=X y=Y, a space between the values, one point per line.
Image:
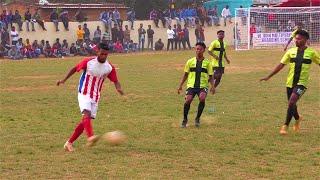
x=93 y=76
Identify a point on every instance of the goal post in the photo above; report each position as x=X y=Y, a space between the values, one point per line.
x=273 y=26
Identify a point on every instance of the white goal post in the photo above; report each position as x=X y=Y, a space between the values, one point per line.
x=260 y=27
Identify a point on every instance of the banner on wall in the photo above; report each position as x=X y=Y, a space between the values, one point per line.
x=270 y=39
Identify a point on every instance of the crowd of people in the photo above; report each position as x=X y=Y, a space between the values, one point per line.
x=117 y=36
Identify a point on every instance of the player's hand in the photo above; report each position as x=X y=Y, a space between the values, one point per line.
x=179 y=90
x=285 y=49
x=120 y=92
x=213 y=90
x=228 y=61
x=265 y=79
x=60 y=82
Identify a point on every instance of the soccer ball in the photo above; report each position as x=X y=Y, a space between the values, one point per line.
x=115 y=137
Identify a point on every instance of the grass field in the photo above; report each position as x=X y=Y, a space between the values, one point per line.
x=238 y=137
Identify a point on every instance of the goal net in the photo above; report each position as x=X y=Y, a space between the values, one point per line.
x=273 y=26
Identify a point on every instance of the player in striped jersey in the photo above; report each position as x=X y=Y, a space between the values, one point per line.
x=95 y=71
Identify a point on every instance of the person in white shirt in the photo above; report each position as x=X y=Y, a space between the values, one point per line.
x=226 y=14
x=170 y=34
x=14 y=36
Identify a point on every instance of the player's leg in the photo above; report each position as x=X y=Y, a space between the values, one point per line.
x=202 y=99
x=217 y=76
x=92 y=139
x=188 y=100
x=299 y=91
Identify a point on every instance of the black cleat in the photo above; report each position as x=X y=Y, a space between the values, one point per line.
x=184 y=123
x=197 y=122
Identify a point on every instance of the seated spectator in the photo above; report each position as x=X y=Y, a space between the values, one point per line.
x=73 y=50
x=42 y=45
x=154 y=17
x=82 y=51
x=27 y=18
x=90 y=47
x=54 y=17
x=29 y=52
x=132 y=47
x=20 y=47
x=131 y=16
x=118 y=48
x=36 y=48
x=106 y=19
x=80 y=16
x=3 y=51
x=116 y=17
x=17 y=19
x=158 y=46
x=65 y=48
x=37 y=18
x=64 y=16
x=14 y=53
x=213 y=18
x=167 y=17
x=57 y=48
x=47 y=50
x=10 y=19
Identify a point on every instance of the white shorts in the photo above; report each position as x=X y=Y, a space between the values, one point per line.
x=85 y=103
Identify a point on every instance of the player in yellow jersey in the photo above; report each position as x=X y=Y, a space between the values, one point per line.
x=217 y=50
x=299 y=59
x=198 y=74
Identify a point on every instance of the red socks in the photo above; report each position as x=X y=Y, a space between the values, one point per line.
x=86 y=125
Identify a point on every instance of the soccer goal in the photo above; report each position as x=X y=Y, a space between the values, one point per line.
x=260 y=27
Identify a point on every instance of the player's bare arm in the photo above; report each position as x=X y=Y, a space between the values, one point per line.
x=274 y=72
x=184 y=78
x=226 y=57
x=117 y=85
x=71 y=72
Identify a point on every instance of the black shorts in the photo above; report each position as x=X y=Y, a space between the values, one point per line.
x=196 y=91
x=298 y=90
x=218 y=70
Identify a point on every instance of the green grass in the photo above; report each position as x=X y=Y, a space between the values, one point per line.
x=239 y=140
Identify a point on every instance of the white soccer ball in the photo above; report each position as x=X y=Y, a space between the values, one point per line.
x=115 y=137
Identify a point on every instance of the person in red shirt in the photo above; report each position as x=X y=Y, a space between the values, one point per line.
x=253 y=29
x=95 y=71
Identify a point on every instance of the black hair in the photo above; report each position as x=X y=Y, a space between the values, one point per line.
x=303 y=33
x=201 y=44
x=220 y=31
x=103 y=46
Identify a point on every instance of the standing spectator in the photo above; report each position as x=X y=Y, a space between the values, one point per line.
x=253 y=30
x=170 y=34
x=38 y=19
x=106 y=38
x=142 y=34
x=154 y=17
x=202 y=37
x=186 y=40
x=114 y=33
x=80 y=34
x=97 y=35
x=117 y=18
x=199 y=32
x=226 y=14
x=86 y=32
x=80 y=16
x=180 y=34
x=10 y=18
x=64 y=16
x=150 y=33
x=121 y=34
x=158 y=46
x=54 y=17
x=17 y=19
x=175 y=36
x=202 y=14
x=126 y=34
x=27 y=18
x=14 y=36
x=131 y=16
x=5 y=37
